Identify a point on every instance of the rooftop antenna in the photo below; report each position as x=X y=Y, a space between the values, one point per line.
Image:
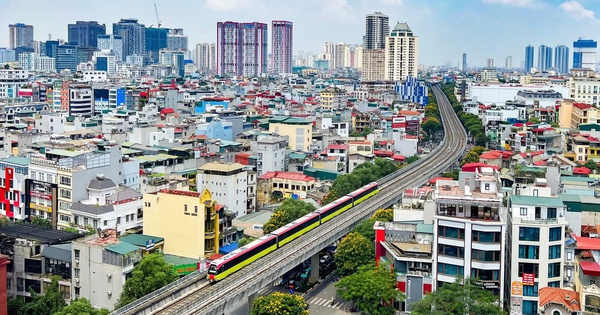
x=157 y=19
x=49 y=36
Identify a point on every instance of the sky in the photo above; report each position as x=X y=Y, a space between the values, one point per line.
x=446 y=28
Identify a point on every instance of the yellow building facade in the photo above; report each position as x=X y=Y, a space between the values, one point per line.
x=188 y=221
x=298 y=131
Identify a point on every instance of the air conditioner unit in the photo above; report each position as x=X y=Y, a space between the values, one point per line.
x=76 y=280
x=109 y=292
x=109 y=275
x=77 y=261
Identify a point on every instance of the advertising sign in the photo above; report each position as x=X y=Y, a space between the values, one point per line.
x=528 y=278
x=516 y=288
x=516 y=305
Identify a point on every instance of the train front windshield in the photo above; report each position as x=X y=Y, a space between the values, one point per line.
x=212 y=269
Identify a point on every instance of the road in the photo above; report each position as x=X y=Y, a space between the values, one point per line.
x=319 y=299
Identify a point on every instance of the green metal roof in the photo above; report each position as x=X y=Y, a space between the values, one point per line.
x=127 y=144
x=122 y=248
x=16 y=160
x=297 y=156
x=424 y=228
x=178 y=260
x=140 y=239
x=131 y=151
x=536 y=201
x=65 y=153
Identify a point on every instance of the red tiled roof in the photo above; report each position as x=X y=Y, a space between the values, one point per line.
x=166 y=111
x=181 y=193
x=409 y=112
x=539 y=163
x=566 y=298
x=582 y=105
x=582 y=170
x=338 y=146
x=287 y=175
x=383 y=153
x=590 y=268
x=471 y=167
x=491 y=155
x=398 y=157
x=587 y=243
x=435 y=179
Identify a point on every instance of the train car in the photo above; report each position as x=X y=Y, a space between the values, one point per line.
x=241 y=257
x=295 y=229
x=334 y=208
x=364 y=193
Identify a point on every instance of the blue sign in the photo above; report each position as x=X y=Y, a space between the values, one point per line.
x=149 y=244
x=291 y=291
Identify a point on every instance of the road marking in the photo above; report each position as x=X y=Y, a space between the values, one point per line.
x=339 y=305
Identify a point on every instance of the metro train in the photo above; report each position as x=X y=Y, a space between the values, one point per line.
x=221 y=268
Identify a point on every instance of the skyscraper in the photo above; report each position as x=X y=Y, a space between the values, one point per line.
x=176 y=40
x=282 y=40
x=508 y=64
x=561 y=59
x=464 y=62
x=156 y=40
x=20 y=35
x=85 y=33
x=204 y=57
x=241 y=48
x=134 y=36
x=377 y=28
x=112 y=43
x=401 y=53
x=584 y=54
x=544 y=58
x=66 y=58
x=528 y=58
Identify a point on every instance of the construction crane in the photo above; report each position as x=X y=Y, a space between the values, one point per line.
x=157 y=19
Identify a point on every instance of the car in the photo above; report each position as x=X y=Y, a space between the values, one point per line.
x=325 y=259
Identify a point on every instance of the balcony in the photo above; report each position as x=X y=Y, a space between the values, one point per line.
x=209 y=235
x=540 y=221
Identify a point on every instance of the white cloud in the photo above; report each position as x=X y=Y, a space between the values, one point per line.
x=577 y=10
x=514 y=3
x=392 y=2
x=228 y=5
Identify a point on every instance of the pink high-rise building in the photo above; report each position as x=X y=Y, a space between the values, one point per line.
x=241 y=48
x=282 y=46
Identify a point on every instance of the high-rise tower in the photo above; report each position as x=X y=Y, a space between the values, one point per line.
x=584 y=54
x=561 y=59
x=282 y=40
x=401 y=53
x=241 y=48
x=85 y=33
x=528 y=58
x=20 y=35
x=544 y=58
x=377 y=28
x=134 y=36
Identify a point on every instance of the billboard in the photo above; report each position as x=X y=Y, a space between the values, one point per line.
x=43 y=190
x=516 y=305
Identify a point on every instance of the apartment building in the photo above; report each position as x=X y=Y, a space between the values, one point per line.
x=584 y=86
x=108 y=206
x=228 y=183
x=333 y=99
x=59 y=176
x=279 y=185
x=470 y=228
x=535 y=245
x=270 y=152
x=587 y=274
x=188 y=222
x=14 y=172
x=298 y=131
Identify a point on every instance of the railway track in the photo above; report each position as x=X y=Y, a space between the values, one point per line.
x=210 y=299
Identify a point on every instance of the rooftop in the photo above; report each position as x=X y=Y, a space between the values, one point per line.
x=564 y=297
x=17 y=160
x=536 y=201
x=141 y=239
x=101 y=184
x=37 y=233
x=590 y=268
x=221 y=167
x=181 y=193
x=287 y=175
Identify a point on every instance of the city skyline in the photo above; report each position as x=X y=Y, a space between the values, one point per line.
x=439 y=24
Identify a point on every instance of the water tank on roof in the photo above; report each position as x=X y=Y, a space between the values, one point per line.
x=100 y=176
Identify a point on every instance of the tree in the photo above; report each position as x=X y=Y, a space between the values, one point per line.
x=290 y=210
x=431 y=125
x=353 y=251
x=149 y=275
x=245 y=241
x=279 y=304
x=81 y=306
x=412 y=159
x=591 y=165
x=365 y=228
x=342 y=185
x=15 y=305
x=41 y=222
x=50 y=302
x=386 y=215
x=473 y=155
x=456 y=299
x=371 y=289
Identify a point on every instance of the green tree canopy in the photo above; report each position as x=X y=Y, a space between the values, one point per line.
x=149 y=275
x=365 y=228
x=456 y=298
x=473 y=155
x=371 y=289
x=15 y=305
x=50 y=302
x=41 y=222
x=386 y=215
x=431 y=125
x=353 y=251
x=245 y=241
x=592 y=165
x=290 y=210
x=81 y=306
x=279 y=304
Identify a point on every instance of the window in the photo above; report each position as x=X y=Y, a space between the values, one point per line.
x=529 y=234
x=184 y=209
x=485 y=275
x=77 y=291
x=554 y=284
x=486 y=237
x=523 y=211
x=554 y=252
x=555 y=234
x=118 y=220
x=554 y=270
x=64 y=180
x=76 y=272
x=453 y=251
x=105 y=222
x=451 y=270
x=65 y=193
x=529 y=307
x=529 y=268
x=529 y=251
x=487 y=186
x=481 y=255
x=85 y=222
x=530 y=290
x=551 y=213
x=451 y=232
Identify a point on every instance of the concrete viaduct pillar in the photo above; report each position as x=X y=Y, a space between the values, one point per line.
x=314 y=268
